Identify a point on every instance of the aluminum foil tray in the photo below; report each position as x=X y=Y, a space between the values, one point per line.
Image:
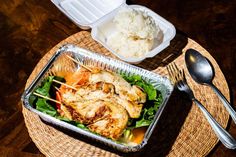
x=90 y=58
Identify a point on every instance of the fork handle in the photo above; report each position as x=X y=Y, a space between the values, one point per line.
x=221 y=133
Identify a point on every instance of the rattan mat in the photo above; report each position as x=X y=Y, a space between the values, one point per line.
x=182 y=130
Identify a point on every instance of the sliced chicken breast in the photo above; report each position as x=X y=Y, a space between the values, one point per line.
x=103 y=117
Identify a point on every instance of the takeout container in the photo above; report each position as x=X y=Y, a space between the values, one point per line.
x=98 y=15
x=89 y=58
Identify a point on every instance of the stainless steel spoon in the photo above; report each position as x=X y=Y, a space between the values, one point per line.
x=202 y=72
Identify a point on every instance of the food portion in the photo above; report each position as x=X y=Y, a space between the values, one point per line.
x=100 y=101
x=104 y=117
x=136 y=33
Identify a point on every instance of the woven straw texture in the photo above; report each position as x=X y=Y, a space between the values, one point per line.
x=181 y=131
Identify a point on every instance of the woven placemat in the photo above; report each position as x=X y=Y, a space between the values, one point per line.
x=182 y=130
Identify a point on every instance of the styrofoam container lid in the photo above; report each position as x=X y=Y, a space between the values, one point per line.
x=86 y=12
x=99 y=14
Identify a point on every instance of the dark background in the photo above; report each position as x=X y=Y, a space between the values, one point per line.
x=29 y=28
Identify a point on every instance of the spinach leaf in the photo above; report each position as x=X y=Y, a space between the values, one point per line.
x=63 y=118
x=78 y=124
x=82 y=126
x=143 y=121
x=154 y=99
x=137 y=80
x=43 y=106
x=150 y=90
x=45 y=88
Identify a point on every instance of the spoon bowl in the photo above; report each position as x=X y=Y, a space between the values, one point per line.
x=199 y=67
x=202 y=71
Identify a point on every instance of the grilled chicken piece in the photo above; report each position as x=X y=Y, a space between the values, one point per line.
x=139 y=94
x=63 y=67
x=131 y=97
x=133 y=109
x=86 y=112
x=99 y=90
x=86 y=94
x=103 y=101
x=103 y=117
x=121 y=86
x=64 y=112
x=113 y=124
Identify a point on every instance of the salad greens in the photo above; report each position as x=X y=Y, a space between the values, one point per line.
x=148 y=88
x=42 y=104
x=46 y=86
x=79 y=125
x=154 y=99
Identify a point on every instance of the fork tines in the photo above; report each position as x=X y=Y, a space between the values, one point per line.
x=175 y=73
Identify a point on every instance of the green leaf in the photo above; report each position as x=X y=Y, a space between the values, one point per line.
x=45 y=88
x=143 y=123
x=150 y=107
x=44 y=107
x=58 y=78
x=78 y=124
x=150 y=111
x=148 y=88
x=137 y=78
x=127 y=135
x=42 y=104
x=63 y=119
x=151 y=92
x=82 y=126
x=156 y=105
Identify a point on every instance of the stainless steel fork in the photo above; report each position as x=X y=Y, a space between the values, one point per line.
x=177 y=77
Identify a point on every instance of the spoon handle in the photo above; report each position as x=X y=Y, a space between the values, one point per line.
x=226 y=139
x=225 y=102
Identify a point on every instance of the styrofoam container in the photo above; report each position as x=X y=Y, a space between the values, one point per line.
x=99 y=14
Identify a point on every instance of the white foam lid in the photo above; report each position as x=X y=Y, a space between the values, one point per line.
x=98 y=15
x=87 y=12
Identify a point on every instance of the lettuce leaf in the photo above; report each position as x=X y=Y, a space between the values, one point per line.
x=46 y=86
x=78 y=124
x=47 y=107
x=154 y=99
x=43 y=106
x=148 y=88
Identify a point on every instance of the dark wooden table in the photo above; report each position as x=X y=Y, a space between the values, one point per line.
x=29 y=28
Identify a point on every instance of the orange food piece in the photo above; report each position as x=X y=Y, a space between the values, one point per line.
x=58 y=98
x=78 y=78
x=138 y=134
